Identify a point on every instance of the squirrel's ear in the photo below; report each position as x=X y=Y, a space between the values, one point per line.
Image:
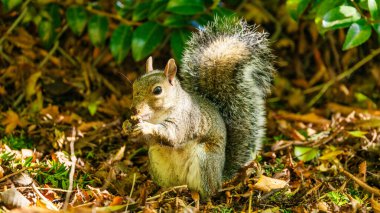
x=149 y=64
x=170 y=70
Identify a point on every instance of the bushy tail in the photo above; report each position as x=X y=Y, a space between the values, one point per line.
x=231 y=64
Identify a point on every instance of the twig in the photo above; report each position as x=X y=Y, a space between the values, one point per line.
x=341 y=76
x=365 y=186
x=41 y=188
x=49 y=204
x=55 y=47
x=13 y=174
x=250 y=202
x=67 y=56
x=72 y=170
x=5 y=56
x=16 y=22
x=130 y=194
x=52 y=50
x=163 y=193
x=113 y=16
x=335 y=52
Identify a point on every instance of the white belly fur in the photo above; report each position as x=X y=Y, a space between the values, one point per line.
x=176 y=166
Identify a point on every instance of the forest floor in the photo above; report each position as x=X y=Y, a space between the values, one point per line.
x=62 y=147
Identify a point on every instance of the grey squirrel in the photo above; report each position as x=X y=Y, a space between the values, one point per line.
x=203 y=128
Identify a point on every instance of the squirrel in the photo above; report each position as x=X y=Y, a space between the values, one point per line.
x=204 y=125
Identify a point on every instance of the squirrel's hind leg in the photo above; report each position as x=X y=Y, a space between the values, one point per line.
x=205 y=173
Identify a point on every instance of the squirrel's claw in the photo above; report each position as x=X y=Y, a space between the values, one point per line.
x=142 y=129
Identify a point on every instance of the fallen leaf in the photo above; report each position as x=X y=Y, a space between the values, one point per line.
x=331 y=155
x=22 y=179
x=116 y=201
x=375 y=205
x=1 y=172
x=31 y=84
x=267 y=184
x=84 y=127
x=305 y=153
x=12 y=197
x=2 y=90
x=363 y=171
x=308 y=118
x=51 y=111
x=11 y=121
x=358 y=133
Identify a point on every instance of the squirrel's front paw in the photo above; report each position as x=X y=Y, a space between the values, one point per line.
x=143 y=129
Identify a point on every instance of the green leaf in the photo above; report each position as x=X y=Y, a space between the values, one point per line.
x=97 y=29
x=305 y=153
x=92 y=108
x=146 y=39
x=338 y=198
x=222 y=11
x=340 y=17
x=31 y=13
x=203 y=19
x=54 y=16
x=178 y=41
x=46 y=33
x=141 y=11
x=374 y=9
x=296 y=7
x=360 y=97
x=322 y=8
x=174 y=21
x=363 y=4
x=185 y=7
x=8 y=5
x=358 y=134
x=156 y=8
x=121 y=42
x=376 y=27
x=357 y=34
x=123 y=7
x=76 y=17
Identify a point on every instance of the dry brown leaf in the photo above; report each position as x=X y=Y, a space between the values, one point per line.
x=375 y=205
x=1 y=172
x=31 y=84
x=116 y=201
x=84 y=127
x=363 y=171
x=22 y=179
x=330 y=156
x=267 y=184
x=11 y=121
x=2 y=90
x=322 y=206
x=56 y=61
x=32 y=209
x=297 y=135
x=308 y=118
x=346 y=110
x=12 y=197
x=51 y=111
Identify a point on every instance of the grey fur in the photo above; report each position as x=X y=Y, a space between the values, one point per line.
x=236 y=86
x=208 y=129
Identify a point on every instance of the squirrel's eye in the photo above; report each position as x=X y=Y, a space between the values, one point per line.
x=157 y=90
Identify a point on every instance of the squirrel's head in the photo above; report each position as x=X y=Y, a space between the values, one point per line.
x=154 y=93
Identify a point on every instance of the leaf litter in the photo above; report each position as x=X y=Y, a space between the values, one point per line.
x=324 y=158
